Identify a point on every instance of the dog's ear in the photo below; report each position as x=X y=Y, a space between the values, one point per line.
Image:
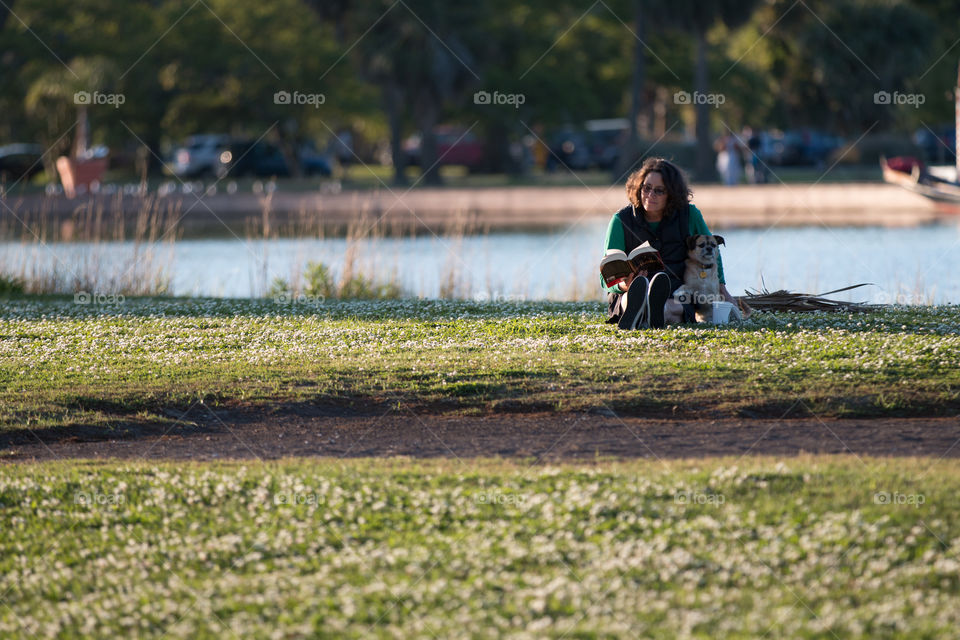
x=691 y=242
x=719 y=240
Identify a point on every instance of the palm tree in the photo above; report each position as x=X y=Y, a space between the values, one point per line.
x=55 y=94
x=54 y=97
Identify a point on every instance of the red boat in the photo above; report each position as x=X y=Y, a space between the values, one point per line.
x=910 y=173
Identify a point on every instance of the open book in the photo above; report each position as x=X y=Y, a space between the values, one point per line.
x=617 y=265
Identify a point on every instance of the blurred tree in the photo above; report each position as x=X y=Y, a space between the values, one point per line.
x=937 y=75
x=82 y=30
x=67 y=92
x=527 y=59
x=419 y=67
x=187 y=67
x=697 y=17
x=567 y=65
x=5 y=12
x=438 y=67
x=842 y=61
x=11 y=61
x=742 y=66
x=269 y=71
x=630 y=150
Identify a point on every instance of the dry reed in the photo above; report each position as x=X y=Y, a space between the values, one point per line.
x=68 y=255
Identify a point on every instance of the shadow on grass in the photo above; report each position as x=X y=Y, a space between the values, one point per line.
x=87 y=419
x=98 y=426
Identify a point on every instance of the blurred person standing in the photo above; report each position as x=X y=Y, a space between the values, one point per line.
x=728 y=160
x=756 y=170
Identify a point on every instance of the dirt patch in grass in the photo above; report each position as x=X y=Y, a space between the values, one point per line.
x=204 y=433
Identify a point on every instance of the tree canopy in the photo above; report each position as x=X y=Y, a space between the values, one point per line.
x=387 y=68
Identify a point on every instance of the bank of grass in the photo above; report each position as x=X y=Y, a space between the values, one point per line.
x=811 y=547
x=141 y=359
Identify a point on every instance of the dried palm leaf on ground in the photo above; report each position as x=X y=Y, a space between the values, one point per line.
x=801 y=302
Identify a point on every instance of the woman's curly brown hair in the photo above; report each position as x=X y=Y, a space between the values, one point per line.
x=678 y=193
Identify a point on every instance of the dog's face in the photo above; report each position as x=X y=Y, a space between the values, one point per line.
x=703 y=248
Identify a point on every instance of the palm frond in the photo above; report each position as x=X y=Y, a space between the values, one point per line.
x=784 y=300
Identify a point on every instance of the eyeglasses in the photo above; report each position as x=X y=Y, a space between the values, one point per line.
x=657 y=191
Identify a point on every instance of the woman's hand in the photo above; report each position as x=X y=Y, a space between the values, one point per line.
x=625 y=284
x=726 y=295
x=745 y=310
x=629 y=280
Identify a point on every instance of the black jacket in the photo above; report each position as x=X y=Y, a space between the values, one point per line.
x=670 y=239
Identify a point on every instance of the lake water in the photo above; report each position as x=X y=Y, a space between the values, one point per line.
x=910 y=266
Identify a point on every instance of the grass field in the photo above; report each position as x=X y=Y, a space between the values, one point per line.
x=805 y=548
x=129 y=360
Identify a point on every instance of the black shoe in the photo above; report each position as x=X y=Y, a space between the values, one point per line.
x=657 y=294
x=636 y=296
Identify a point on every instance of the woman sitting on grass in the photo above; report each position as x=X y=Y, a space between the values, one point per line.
x=659 y=213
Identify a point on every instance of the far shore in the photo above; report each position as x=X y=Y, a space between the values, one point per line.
x=489 y=209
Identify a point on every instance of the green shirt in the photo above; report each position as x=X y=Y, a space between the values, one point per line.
x=615 y=239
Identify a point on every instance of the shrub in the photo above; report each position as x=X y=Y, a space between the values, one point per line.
x=11 y=285
x=319 y=282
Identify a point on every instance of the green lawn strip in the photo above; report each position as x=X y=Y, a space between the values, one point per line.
x=808 y=547
x=62 y=363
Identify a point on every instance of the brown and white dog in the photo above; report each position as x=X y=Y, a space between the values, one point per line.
x=701 y=280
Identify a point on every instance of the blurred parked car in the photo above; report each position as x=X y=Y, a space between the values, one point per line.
x=199 y=155
x=455 y=145
x=569 y=147
x=605 y=138
x=20 y=161
x=938 y=143
x=264 y=159
x=313 y=162
x=799 y=147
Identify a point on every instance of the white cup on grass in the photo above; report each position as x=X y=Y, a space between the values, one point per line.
x=722 y=312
